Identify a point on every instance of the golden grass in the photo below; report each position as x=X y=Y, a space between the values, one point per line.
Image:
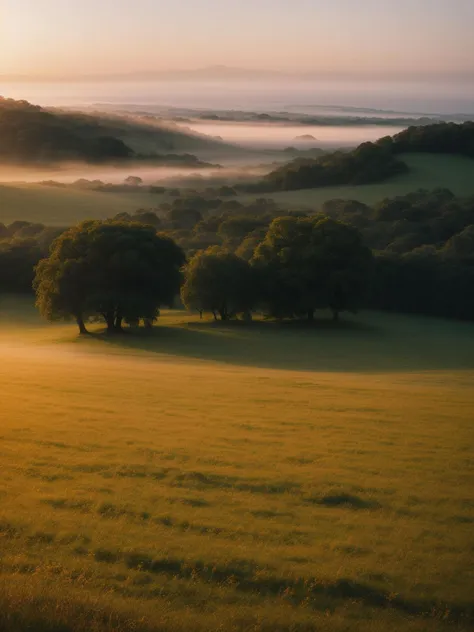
x=145 y=488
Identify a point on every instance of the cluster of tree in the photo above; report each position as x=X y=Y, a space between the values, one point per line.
x=131 y=184
x=120 y=272
x=428 y=281
x=440 y=138
x=405 y=223
x=125 y=271
x=197 y=222
x=22 y=245
x=302 y=264
x=370 y=162
x=423 y=246
x=424 y=251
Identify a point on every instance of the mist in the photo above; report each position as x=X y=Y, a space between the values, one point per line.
x=69 y=173
x=274 y=136
x=428 y=97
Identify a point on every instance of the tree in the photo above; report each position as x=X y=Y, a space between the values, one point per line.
x=18 y=258
x=310 y=263
x=235 y=228
x=186 y=218
x=219 y=282
x=147 y=216
x=133 y=181
x=115 y=270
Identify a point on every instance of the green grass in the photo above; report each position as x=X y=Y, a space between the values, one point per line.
x=427 y=171
x=210 y=477
x=63 y=207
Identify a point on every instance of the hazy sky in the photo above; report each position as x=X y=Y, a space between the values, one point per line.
x=354 y=37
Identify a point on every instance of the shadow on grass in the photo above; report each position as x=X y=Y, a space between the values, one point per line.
x=245 y=576
x=375 y=343
x=346 y=501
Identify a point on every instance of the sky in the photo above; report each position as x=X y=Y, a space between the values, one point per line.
x=379 y=38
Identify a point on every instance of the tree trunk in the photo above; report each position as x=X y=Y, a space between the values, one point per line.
x=110 y=320
x=118 y=324
x=310 y=315
x=223 y=314
x=81 y=324
x=335 y=315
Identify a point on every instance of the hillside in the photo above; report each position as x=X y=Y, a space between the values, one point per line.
x=440 y=138
x=31 y=134
x=425 y=171
x=372 y=162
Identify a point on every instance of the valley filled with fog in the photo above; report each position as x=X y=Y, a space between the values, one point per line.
x=246 y=127
x=275 y=136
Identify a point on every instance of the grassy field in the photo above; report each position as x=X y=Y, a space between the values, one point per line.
x=60 y=207
x=64 y=207
x=221 y=478
x=427 y=171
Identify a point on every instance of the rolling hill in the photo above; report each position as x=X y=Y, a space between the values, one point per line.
x=372 y=162
x=31 y=134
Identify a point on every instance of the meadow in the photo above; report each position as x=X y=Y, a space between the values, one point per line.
x=63 y=207
x=236 y=476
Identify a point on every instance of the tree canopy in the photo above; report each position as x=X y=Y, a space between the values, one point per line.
x=439 y=138
x=219 y=282
x=114 y=270
x=366 y=164
x=311 y=263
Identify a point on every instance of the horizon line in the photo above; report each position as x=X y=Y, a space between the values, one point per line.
x=231 y=73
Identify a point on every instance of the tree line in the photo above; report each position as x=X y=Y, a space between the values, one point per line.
x=123 y=272
x=422 y=248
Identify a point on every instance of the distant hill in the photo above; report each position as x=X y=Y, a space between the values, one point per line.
x=440 y=138
x=308 y=137
x=367 y=164
x=372 y=162
x=29 y=134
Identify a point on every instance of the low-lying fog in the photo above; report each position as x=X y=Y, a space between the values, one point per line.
x=403 y=96
x=264 y=143
x=275 y=136
x=110 y=174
